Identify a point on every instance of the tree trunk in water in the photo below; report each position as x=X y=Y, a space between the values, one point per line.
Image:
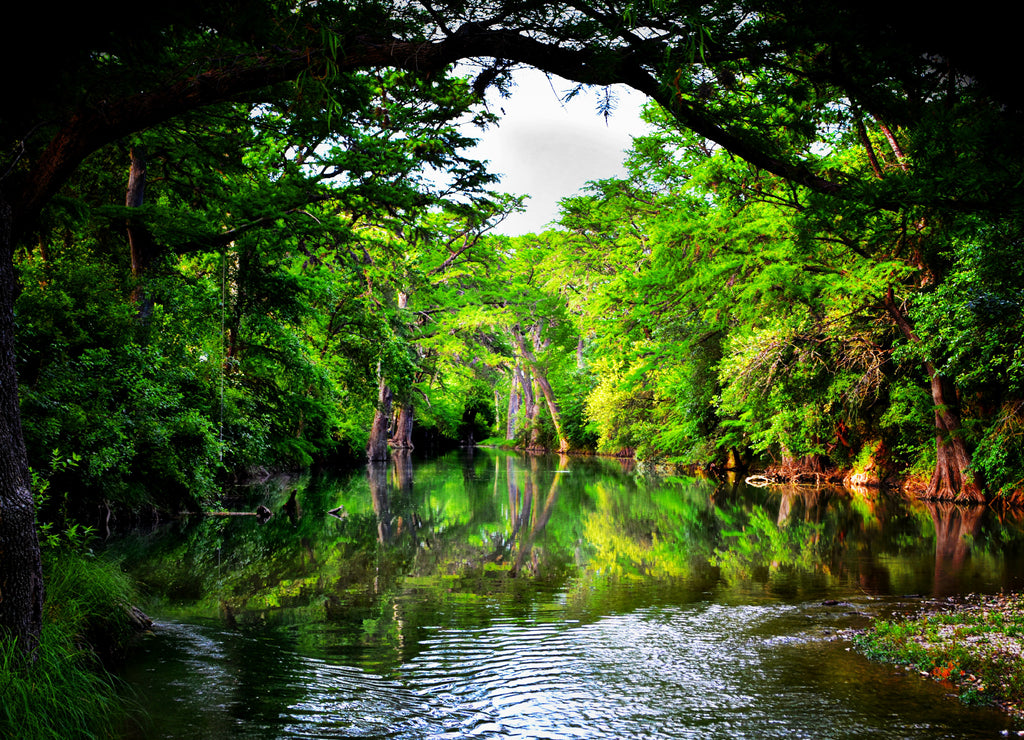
x=955 y=530
x=377 y=448
x=21 y=570
x=951 y=480
x=402 y=438
x=377 y=472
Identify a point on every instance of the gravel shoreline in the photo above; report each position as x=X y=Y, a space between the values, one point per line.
x=975 y=644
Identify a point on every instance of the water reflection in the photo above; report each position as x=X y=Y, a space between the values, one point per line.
x=955 y=530
x=501 y=596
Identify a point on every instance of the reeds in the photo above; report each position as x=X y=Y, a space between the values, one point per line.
x=62 y=690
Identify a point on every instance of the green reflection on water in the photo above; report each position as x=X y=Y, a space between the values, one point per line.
x=490 y=528
x=272 y=621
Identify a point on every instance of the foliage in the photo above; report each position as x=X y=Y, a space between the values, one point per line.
x=820 y=223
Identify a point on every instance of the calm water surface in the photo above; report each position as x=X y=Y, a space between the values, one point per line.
x=492 y=596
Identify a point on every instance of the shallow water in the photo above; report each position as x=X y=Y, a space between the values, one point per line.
x=497 y=597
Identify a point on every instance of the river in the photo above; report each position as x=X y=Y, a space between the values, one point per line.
x=487 y=595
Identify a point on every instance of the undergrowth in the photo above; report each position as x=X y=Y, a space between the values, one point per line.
x=63 y=690
x=978 y=648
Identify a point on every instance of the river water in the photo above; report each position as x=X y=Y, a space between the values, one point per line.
x=484 y=595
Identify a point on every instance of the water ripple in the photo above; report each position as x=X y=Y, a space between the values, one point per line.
x=704 y=670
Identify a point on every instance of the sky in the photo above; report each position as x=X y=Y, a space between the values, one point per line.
x=548 y=149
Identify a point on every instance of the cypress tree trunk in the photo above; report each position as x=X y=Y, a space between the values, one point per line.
x=545 y=390
x=377 y=448
x=515 y=402
x=402 y=438
x=140 y=241
x=533 y=416
x=951 y=479
x=21 y=570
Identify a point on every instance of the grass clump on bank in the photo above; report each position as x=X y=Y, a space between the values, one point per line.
x=66 y=691
x=976 y=646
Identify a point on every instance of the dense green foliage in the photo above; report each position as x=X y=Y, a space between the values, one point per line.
x=814 y=262
x=728 y=313
x=248 y=238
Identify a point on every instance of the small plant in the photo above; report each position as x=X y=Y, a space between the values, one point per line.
x=62 y=690
x=58 y=532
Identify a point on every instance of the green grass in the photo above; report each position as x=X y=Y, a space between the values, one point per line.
x=976 y=647
x=66 y=692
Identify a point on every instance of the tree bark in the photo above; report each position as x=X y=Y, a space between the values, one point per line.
x=140 y=241
x=951 y=480
x=545 y=388
x=402 y=438
x=377 y=448
x=21 y=570
x=141 y=244
x=515 y=403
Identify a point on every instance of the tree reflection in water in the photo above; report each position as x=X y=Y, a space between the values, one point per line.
x=420 y=554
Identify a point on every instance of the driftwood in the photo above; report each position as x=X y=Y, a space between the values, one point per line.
x=138 y=620
x=262 y=513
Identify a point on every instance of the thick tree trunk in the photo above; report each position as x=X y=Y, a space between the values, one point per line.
x=530 y=407
x=141 y=243
x=497 y=409
x=545 y=389
x=402 y=438
x=533 y=418
x=377 y=448
x=140 y=240
x=951 y=479
x=21 y=572
x=553 y=409
x=515 y=404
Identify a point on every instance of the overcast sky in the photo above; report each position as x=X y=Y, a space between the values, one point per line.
x=549 y=150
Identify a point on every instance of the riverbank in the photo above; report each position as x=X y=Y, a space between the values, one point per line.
x=63 y=689
x=975 y=645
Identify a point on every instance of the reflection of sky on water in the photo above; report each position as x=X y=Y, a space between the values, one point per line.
x=702 y=670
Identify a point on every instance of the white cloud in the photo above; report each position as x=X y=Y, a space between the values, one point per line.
x=549 y=150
